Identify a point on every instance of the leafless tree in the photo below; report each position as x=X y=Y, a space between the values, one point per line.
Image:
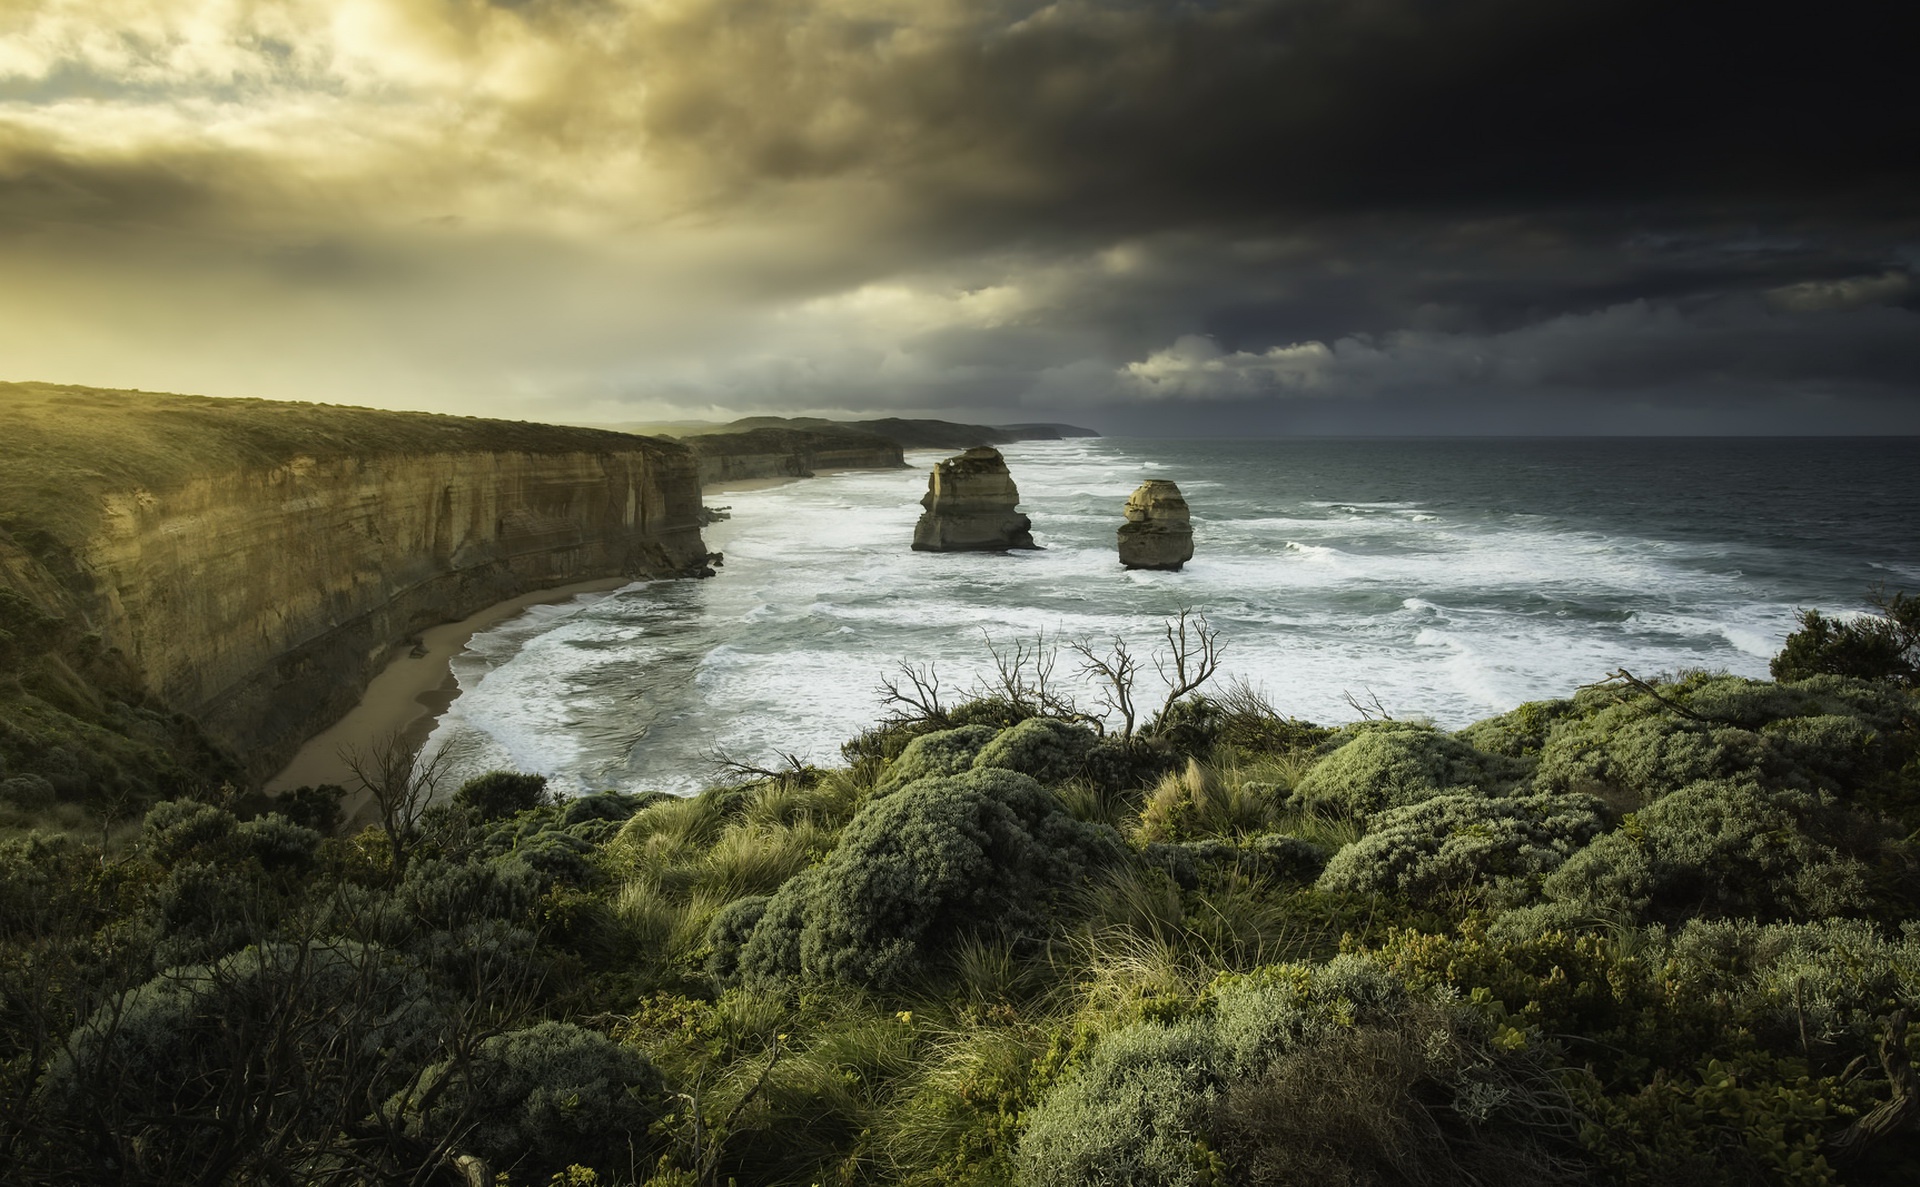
x=1024 y=677
x=913 y=694
x=1112 y=672
x=1191 y=658
x=402 y=784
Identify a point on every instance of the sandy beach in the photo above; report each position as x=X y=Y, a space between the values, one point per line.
x=408 y=695
x=416 y=687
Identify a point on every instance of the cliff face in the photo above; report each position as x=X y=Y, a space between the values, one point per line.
x=261 y=598
x=789 y=453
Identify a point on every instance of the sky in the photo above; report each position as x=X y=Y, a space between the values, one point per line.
x=1191 y=217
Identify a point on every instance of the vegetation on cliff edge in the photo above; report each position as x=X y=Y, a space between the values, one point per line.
x=1658 y=931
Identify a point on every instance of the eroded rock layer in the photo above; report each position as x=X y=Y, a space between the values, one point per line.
x=970 y=506
x=264 y=567
x=1158 y=533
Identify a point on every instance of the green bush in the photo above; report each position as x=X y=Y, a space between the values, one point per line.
x=499 y=794
x=1518 y=733
x=1719 y=848
x=1273 y=857
x=1878 y=646
x=1047 y=749
x=251 y=1062
x=1498 y=849
x=30 y=792
x=1636 y=754
x=534 y=1101
x=205 y=910
x=985 y=850
x=277 y=843
x=1826 y=731
x=1134 y=1114
x=1385 y=764
x=177 y=830
x=727 y=934
x=943 y=752
x=616 y=807
x=1830 y=983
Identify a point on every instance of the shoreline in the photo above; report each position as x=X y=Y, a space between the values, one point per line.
x=415 y=688
x=408 y=696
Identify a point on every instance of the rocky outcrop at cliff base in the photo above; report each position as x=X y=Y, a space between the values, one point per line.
x=1158 y=533
x=970 y=507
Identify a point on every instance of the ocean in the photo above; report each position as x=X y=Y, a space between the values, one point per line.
x=1446 y=579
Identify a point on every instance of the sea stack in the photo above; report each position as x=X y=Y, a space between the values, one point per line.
x=970 y=503
x=1158 y=533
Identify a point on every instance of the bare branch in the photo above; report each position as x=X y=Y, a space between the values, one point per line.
x=1113 y=672
x=727 y=767
x=1371 y=709
x=1191 y=658
x=1024 y=677
x=913 y=695
x=1639 y=685
x=402 y=785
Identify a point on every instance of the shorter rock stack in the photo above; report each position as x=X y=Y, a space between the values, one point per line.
x=1158 y=533
x=970 y=503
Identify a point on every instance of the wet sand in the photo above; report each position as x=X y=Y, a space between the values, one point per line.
x=408 y=696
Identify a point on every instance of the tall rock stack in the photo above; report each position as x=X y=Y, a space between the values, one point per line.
x=1158 y=533
x=970 y=503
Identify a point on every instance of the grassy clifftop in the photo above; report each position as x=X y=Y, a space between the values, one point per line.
x=1655 y=932
x=63 y=447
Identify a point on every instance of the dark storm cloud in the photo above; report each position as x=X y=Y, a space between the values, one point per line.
x=1149 y=114
x=1318 y=214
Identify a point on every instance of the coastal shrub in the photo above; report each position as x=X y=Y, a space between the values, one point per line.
x=1878 y=646
x=981 y=851
x=1518 y=733
x=559 y=858
x=1633 y=754
x=1385 y=764
x=499 y=794
x=615 y=807
x=1274 y=857
x=1719 y=848
x=277 y=843
x=238 y=1062
x=439 y=895
x=317 y=808
x=1134 y=1114
x=1825 y=731
x=1830 y=750
x=727 y=933
x=31 y=792
x=175 y=830
x=1300 y=1074
x=533 y=1101
x=1497 y=849
x=204 y=910
x=1830 y=981
x=943 y=752
x=1045 y=748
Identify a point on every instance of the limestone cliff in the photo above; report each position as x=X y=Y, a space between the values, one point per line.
x=774 y=452
x=1158 y=533
x=970 y=506
x=255 y=564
